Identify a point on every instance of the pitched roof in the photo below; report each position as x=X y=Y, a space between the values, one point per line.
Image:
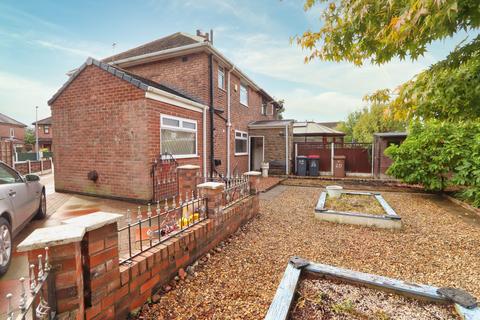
x=331 y=125
x=7 y=120
x=44 y=121
x=313 y=128
x=175 y=40
x=140 y=82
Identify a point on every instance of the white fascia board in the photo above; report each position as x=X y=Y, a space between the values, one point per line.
x=167 y=97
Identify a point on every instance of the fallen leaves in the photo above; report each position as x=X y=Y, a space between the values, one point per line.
x=437 y=245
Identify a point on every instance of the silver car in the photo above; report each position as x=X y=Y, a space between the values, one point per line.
x=21 y=199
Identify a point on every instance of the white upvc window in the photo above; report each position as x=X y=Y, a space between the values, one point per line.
x=221 y=78
x=178 y=136
x=241 y=143
x=12 y=132
x=244 y=95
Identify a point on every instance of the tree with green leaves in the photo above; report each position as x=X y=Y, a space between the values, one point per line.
x=29 y=136
x=375 y=117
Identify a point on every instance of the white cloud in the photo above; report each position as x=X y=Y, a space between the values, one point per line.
x=327 y=106
x=19 y=96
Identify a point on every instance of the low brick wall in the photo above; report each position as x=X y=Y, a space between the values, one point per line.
x=142 y=277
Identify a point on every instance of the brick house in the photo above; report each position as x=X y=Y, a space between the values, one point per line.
x=44 y=133
x=12 y=130
x=176 y=95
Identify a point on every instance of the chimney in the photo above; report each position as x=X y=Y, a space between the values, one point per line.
x=208 y=37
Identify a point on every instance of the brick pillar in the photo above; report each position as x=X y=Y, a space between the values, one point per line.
x=187 y=179
x=254 y=180
x=214 y=193
x=100 y=263
x=66 y=260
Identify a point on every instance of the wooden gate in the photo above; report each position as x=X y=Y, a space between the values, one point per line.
x=6 y=152
x=164 y=177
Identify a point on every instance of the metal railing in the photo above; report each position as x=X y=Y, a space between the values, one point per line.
x=236 y=189
x=172 y=217
x=39 y=302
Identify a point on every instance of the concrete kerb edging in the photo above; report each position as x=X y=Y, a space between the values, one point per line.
x=390 y=220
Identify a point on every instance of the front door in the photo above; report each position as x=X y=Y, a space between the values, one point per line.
x=256 y=153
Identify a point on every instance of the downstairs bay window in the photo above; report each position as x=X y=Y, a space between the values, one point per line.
x=178 y=136
x=241 y=143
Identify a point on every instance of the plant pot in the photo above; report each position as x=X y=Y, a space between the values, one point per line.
x=334 y=191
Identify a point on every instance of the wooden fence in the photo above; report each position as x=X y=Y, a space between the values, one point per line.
x=6 y=152
x=358 y=155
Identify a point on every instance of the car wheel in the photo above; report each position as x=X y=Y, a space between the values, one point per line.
x=42 y=208
x=5 y=245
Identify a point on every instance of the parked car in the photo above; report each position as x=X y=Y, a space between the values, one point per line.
x=21 y=199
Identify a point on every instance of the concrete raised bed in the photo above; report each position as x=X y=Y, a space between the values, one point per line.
x=389 y=220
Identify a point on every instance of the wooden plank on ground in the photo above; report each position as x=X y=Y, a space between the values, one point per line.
x=284 y=296
x=402 y=287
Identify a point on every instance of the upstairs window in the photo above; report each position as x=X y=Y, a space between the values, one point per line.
x=241 y=143
x=244 y=95
x=12 y=132
x=264 y=107
x=46 y=129
x=221 y=78
x=178 y=137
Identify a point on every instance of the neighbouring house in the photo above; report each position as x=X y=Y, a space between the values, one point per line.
x=44 y=133
x=176 y=95
x=382 y=141
x=331 y=125
x=12 y=130
x=310 y=131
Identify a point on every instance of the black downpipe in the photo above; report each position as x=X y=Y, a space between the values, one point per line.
x=212 y=110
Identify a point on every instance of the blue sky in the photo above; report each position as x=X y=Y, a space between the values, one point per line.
x=41 y=40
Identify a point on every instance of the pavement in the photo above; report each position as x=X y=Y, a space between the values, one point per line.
x=60 y=206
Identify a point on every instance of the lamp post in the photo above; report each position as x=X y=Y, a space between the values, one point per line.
x=36 y=132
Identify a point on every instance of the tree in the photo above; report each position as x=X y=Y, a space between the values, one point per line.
x=438 y=154
x=29 y=136
x=449 y=90
x=348 y=125
x=373 y=118
x=380 y=30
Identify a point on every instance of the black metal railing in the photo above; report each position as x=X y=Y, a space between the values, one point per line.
x=38 y=301
x=150 y=229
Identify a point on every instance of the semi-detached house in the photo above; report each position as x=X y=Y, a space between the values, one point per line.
x=176 y=95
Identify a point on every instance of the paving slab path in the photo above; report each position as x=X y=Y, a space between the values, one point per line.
x=239 y=280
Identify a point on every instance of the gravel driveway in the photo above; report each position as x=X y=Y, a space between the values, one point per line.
x=438 y=245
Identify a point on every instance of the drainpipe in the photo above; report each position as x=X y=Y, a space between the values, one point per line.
x=229 y=122
x=205 y=142
x=287 y=162
x=212 y=153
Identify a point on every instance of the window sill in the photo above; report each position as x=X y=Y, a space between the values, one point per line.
x=222 y=90
x=241 y=154
x=185 y=156
x=244 y=105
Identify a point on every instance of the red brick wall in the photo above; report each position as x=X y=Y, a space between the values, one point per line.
x=116 y=290
x=190 y=76
x=5 y=131
x=41 y=131
x=100 y=124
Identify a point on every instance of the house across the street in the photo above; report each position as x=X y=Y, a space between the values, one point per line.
x=12 y=130
x=45 y=133
x=176 y=96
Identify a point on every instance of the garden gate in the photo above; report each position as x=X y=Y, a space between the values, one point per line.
x=164 y=177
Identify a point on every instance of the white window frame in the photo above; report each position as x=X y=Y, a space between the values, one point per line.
x=221 y=71
x=243 y=136
x=12 y=132
x=182 y=129
x=46 y=129
x=243 y=86
x=271 y=110
x=264 y=109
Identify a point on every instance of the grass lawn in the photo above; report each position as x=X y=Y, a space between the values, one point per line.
x=438 y=245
